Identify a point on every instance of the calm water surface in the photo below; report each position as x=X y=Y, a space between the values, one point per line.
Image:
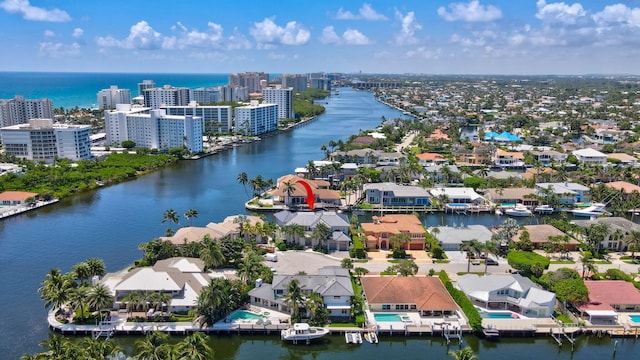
x=110 y=223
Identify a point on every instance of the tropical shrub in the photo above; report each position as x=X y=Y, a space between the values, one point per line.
x=529 y=263
x=475 y=320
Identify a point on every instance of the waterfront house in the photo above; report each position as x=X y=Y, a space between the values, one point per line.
x=182 y=278
x=590 y=156
x=391 y=194
x=512 y=196
x=309 y=220
x=324 y=197
x=332 y=283
x=512 y=292
x=566 y=193
x=607 y=298
x=508 y=159
x=540 y=234
x=617 y=229
x=383 y=228
x=457 y=195
x=16 y=198
x=232 y=226
x=424 y=295
x=451 y=238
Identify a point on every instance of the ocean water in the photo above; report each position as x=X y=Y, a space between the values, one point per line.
x=80 y=89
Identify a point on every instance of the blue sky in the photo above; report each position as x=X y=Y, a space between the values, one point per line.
x=290 y=36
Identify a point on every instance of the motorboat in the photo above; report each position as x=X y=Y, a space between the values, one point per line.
x=303 y=332
x=518 y=210
x=596 y=209
x=498 y=212
x=543 y=209
x=371 y=337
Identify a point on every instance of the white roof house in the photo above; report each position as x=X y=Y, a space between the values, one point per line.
x=569 y=193
x=590 y=156
x=458 y=195
x=451 y=238
x=509 y=291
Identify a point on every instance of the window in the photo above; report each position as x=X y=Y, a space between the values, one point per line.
x=345 y=311
x=336 y=297
x=386 y=307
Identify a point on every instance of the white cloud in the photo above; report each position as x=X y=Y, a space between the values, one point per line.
x=329 y=36
x=51 y=49
x=29 y=12
x=409 y=27
x=472 y=11
x=77 y=32
x=238 y=41
x=268 y=34
x=559 y=12
x=49 y=33
x=366 y=12
x=141 y=36
x=424 y=53
x=355 y=37
x=618 y=14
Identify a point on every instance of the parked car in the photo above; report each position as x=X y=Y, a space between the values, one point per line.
x=491 y=261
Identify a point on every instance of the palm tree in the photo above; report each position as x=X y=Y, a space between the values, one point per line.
x=588 y=264
x=249 y=267
x=159 y=300
x=82 y=271
x=321 y=233
x=154 y=346
x=171 y=216
x=489 y=248
x=56 y=347
x=99 y=349
x=96 y=266
x=465 y=353
x=195 y=347
x=243 y=179
x=190 y=214
x=133 y=300
x=288 y=189
x=633 y=243
x=55 y=289
x=211 y=252
x=99 y=298
x=312 y=169
x=472 y=248
x=78 y=300
x=294 y=298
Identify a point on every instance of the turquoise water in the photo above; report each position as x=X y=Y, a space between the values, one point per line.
x=387 y=317
x=79 y=89
x=244 y=315
x=458 y=205
x=635 y=318
x=497 y=315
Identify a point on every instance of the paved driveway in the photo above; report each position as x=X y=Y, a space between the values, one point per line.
x=293 y=262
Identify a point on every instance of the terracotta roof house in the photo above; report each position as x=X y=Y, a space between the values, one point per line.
x=512 y=196
x=510 y=292
x=324 y=196
x=424 y=295
x=623 y=186
x=508 y=159
x=13 y=198
x=625 y=159
x=332 y=283
x=532 y=173
x=230 y=226
x=383 y=228
x=608 y=297
x=540 y=234
x=363 y=140
x=428 y=159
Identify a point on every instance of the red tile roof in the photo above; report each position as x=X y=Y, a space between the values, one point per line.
x=623 y=186
x=427 y=293
x=16 y=195
x=604 y=293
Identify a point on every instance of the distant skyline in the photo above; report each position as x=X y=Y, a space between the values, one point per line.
x=523 y=37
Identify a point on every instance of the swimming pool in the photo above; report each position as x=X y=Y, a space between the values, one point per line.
x=497 y=314
x=391 y=317
x=635 y=318
x=456 y=205
x=244 y=315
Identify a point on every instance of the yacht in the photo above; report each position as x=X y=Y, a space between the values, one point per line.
x=596 y=209
x=518 y=210
x=543 y=209
x=303 y=332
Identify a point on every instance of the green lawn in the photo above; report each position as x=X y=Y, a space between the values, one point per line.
x=562 y=262
x=342 y=325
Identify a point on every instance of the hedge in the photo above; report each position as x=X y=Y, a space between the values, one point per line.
x=358 y=248
x=528 y=262
x=475 y=320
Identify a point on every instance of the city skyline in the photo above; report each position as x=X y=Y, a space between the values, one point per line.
x=526 y=37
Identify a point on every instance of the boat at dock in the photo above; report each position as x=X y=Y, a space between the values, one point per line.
x=353 y=338
x=519 y=211
x=596 y=209
x=543 y=209
x=371 y=337
x=303 y=332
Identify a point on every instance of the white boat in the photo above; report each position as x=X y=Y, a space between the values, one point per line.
x=357 y=337
x=543 y=209
x=518 y=210
x=371 y=337
x=303 y=332
x=348 y=338
x=498 y=212
x=596 y=209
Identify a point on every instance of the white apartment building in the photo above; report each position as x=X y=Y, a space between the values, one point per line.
x=216 y=119
x=166 y=96
x=153 y=128
x=250 y=80
x=144 y=85
x=42 y=140
x=256 y=118
x=205 y=95
x=19 y=111
x=231 y=93
x=281 y=97
x=296 y=81
x=109 y=98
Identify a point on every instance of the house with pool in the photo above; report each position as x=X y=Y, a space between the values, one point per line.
x=608 y=299
x=511 y=292
x=383 y=228
x=392 y=194
x=337 y=223
x=332 y=283
x=408 y=300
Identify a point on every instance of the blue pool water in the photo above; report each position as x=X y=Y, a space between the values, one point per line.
x=244 y=315
x=635 y=318
x=387 y=317
x=458 y=205
x=498 y=315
